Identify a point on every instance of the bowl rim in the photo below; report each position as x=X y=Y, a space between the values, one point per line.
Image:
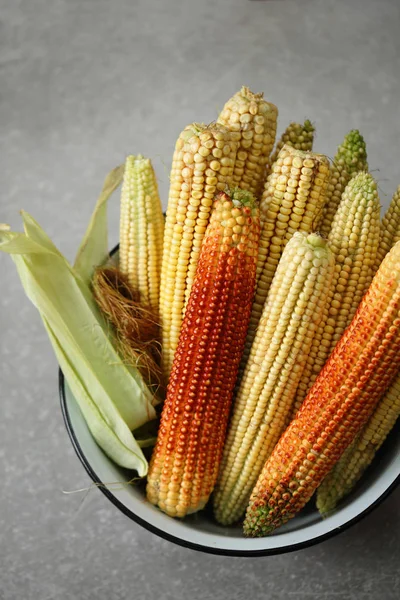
x=192 y=545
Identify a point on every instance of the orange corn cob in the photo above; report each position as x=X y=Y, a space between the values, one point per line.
x=344 y=395
x=186 y=458
x=358 y=456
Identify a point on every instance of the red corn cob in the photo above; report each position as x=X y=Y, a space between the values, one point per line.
x=344 y=395
x=185 y=460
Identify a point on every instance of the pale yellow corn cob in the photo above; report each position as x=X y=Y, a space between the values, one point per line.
x=253 y=123
x=390 y=228
x=278 y=355
x=141 y=230
x=354 y=241
x=202 y=165
x=351 y=157
x=293 y=198
x=356 y=459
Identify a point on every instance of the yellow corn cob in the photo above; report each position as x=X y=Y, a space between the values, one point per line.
x=290 y=317
x=293 y=198
x=202 y=165
x=342 y=478
x=297 y=135
x=390 y=228
x=141 y=230
x=354 y=241
x=351 y=157
x=345 y=394
x=185 y=461
x=253 y=123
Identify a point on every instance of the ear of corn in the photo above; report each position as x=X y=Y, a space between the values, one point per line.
x=263 y=403
x=202 y=165
x=390 y=228
x=293 y=198
x=351 y=157
x=358 y=456
x=354 y=241
x=253 y=123
x=112 y=397
x=297 y=135
x=187 y=455
x=141 y=230
x=356 y=459
x=343 y=397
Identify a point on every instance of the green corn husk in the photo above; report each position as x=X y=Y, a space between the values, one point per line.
x=113 y=397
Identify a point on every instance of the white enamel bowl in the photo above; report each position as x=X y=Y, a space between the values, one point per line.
x=199 y=531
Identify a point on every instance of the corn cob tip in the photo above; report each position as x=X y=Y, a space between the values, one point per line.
x=133 y=160
x=255 y=524
x=241 y=197
x=258 y=98
x=249 y=95
x=252 y=121
x=315 y=240
x=353 y=151
x=287 y=149
x=297 y=135
x=308 y=126
x=363 y=183
x=193 y=129
x=135 y=157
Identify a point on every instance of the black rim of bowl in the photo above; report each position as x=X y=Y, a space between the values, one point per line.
x=193 y=546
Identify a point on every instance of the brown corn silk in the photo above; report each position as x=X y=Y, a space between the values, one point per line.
x=343 y=397
x=186 y=458
x=135 y=324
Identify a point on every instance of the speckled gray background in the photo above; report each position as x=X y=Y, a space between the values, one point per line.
x=83 y=83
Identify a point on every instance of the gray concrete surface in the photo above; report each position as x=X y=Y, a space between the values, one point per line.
x=83 y=83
